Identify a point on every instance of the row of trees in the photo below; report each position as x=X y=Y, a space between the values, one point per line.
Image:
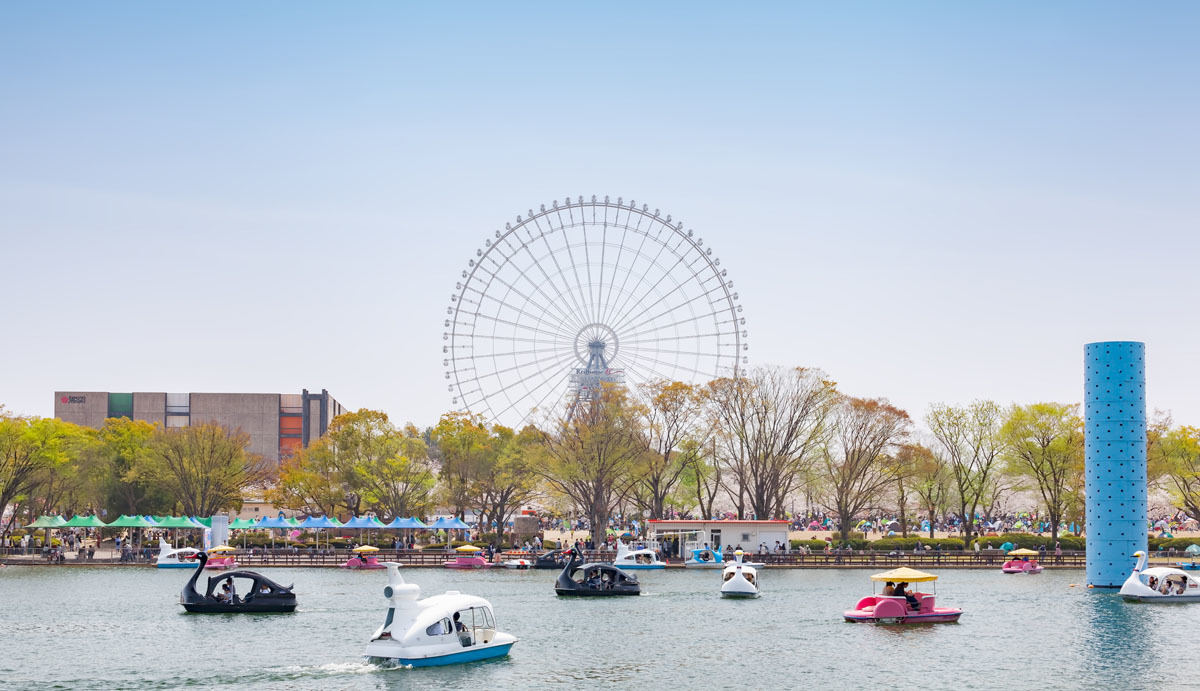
x=127 y=466
x=759 y=443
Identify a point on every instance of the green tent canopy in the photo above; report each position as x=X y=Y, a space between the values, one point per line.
x=131 y=522
x=85 y=522
x=176 y=522
x=204 y=522
x=243 y=523
x=48 y=522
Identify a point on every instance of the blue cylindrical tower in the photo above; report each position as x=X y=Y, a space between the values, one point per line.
x=1114 y=458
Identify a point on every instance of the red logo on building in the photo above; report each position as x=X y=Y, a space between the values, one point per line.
x=64 y=399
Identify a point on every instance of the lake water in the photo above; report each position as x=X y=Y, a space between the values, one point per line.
x=123 y=628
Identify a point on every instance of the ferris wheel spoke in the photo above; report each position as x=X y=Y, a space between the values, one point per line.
x=659 y=299
x=584 y=293
x=649 y=372
x=544 y=307
x=566 y=288
x=675 y=308
x=532 y=391
x=664 y=339
x=513 y=324
x=673 y=351
x=566 y=241
x=652 y=262
x=498 y=372
x=628 y=271
x=570 y=321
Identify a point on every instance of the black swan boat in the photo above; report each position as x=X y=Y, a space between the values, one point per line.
x=236 y=591
x=555 y=559
x=594 y=580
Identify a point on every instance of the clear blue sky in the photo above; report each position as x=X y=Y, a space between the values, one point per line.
x=930 y=201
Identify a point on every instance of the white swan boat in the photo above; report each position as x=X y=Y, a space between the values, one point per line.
x=636 y=558
x=739 y=579
x=441 y=630
x=1159 y=583
x=171 y=558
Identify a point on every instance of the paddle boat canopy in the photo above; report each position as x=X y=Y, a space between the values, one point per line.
x=468 y=557
x=440 y=630
x=738 y=579
x=1020 y=561
x=236 y=592
x=364 y=558
x=222 y=557
x=636 y=558
x=1159 y=583
x=600 y=580
x=892 y=607
x=705 y=558
x=171 y=558
x=517 y=560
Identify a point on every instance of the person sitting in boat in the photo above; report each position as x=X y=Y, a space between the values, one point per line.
x=889 y=588
x=902 y=590
x=1153 y=583
x=460 y=628
x=226 y=592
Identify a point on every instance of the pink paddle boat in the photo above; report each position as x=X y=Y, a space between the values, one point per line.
x=364 y=558
x=222 y=557
x=1020 y=562
x=469 y=557
x=898 y=609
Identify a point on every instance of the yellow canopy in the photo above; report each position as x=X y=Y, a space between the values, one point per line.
x=223 y=548
x=905 y=575
x=366 y=548
x=467 y=548
x=1024 y=553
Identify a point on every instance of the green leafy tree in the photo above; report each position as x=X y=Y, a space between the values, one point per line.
x=1044 y=443
x=854 y=465
x=671 y=414
x=33 y=451
x=122 y=455
x=969 y=439
x=310 y=481
x=1174 y=458
x=594 y=457
x=931 y=479
x=465 y=447
x=205 y=467
x=506 y=481
x=769 y=426
x=396 y=479
x=701 y=481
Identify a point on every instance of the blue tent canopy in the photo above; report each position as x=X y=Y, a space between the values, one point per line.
x=274 y=522
x=363 y=522
x=319 y=522
x=453 y=523
x=408 y=523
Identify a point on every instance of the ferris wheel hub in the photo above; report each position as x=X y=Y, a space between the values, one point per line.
x=596 y=341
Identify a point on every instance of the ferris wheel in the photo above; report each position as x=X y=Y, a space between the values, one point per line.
x=582 y=293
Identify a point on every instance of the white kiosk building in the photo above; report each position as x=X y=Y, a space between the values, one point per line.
x=747 y=535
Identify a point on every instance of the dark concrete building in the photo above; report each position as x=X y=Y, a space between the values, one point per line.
x=278 y=424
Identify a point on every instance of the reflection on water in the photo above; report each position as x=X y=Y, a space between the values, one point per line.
x=1117 y=641
x=114 y=628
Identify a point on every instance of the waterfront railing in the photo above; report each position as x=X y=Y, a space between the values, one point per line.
x=288 y=557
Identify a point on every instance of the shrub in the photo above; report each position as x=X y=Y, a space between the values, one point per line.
x=858 y=543
x=906 y=544
x=1175 y=543
x=1029 y=541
